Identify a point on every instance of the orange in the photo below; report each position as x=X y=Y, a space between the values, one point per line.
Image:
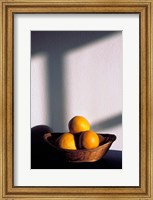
x=67 y=141
x=89 y=140
x=78 y=124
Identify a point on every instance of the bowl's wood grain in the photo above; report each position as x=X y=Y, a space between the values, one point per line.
x=81 y=155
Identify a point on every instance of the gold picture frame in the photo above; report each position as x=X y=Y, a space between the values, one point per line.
x=145 y=11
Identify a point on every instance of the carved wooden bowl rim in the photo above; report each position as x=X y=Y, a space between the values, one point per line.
x=109 y=139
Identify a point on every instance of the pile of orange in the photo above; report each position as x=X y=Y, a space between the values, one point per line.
x=79 y=136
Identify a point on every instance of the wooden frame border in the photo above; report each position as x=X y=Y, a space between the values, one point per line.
x=145 y=10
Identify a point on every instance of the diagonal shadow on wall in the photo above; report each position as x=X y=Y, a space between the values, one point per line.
x=55 y=44
x=107 y=123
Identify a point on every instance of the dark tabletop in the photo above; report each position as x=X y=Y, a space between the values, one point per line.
x=45 y=157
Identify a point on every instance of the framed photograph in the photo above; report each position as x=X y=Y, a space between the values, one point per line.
x=76 y=99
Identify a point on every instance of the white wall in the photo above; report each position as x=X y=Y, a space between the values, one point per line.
x=77 y=73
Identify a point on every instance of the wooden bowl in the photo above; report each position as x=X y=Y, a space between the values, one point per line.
x=81 y=155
